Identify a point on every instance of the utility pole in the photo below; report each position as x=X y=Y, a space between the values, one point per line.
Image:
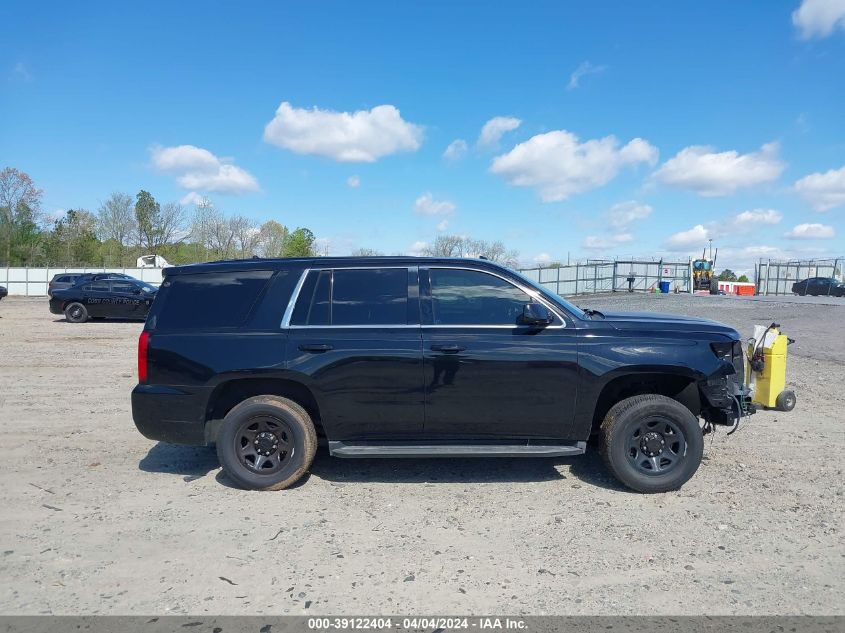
x=711 y=249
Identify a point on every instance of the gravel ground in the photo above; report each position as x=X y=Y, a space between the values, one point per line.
x=100 y=520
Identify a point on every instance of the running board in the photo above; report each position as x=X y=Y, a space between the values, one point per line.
x=342 y=449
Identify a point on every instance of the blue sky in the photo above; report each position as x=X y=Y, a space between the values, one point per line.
x=613 y=128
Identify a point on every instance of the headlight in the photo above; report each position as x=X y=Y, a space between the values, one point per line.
x=723 y=350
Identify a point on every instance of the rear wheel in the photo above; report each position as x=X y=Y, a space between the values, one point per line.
x=651 y=443
x=76 y=313
x=266 y=443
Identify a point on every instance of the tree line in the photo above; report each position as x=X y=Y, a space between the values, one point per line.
x=125 y=227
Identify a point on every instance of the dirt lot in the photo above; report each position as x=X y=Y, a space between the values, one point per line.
x=97 y=519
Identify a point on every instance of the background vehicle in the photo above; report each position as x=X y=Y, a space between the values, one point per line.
x=704 y=273
x=819 y=286
x=418 y=357
x=103 y=298
x=61 y=281
x=3 y=292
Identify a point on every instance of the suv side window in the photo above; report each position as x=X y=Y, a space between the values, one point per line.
x=98 y=286
x=375 y=296
x=210 y=300
x=360 y=296
x=470 y=297
x=313 y=306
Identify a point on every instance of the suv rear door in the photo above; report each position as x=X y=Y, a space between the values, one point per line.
x=487 y=376
x=355 y=333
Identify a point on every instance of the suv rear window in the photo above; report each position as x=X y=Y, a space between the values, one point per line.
x=210 y=300
x=355 y=296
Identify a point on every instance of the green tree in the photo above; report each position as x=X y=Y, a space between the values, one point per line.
x=147 y=212
x=299 y=243
x=727 y=275
x=743 y=278
x=20 y=202
x=73 y=240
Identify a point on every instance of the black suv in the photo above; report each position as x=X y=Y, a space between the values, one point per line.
x=423 y=357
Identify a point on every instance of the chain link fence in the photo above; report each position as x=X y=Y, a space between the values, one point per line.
x=595 y=276
x=776 y=277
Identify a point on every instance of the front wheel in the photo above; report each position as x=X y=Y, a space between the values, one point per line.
x=651 y=443
x=266 y=443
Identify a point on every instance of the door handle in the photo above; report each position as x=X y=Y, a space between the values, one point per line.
x=315 y=347
x=447 y=348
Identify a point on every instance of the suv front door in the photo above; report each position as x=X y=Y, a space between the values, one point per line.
x=355 y=333
x=487 y=375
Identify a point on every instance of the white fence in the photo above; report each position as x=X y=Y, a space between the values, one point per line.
x=32 y=282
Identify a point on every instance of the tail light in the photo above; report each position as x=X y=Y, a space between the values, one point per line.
x=143 y=346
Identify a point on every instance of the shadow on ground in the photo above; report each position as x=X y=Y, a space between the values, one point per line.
x=195 y=462
x=192 y=462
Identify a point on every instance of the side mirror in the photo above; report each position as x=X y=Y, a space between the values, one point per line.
x=537 y=314
x=137 y=291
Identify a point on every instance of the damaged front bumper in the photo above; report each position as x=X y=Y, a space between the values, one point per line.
x=725 y=398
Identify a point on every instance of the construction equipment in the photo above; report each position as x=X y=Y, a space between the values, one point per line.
x=703 y=273
x=766 y=368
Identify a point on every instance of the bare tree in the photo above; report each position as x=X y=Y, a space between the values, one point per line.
x=494 y=251
x=246 y=235
x=366 y=252
x=171 y=225
x=116 y=221
x=446 y=246
x=213 y=231
x=271 y=239
x=19 y=197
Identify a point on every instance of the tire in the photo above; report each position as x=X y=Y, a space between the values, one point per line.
x=630 y=443
x=266 y=443
x=785 y=401
x=76 y=313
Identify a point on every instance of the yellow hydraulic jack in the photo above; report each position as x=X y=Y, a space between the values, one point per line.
x=767 y=365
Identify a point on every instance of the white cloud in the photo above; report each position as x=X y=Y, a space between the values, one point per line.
x=21 y=71
x=710 y=173
x=819 y=18
x=696 y=236
x=586 y=68
x=363 y=136
x=543 y=259
x=823 y=190
x=741 y=223
x=443 y=225
x=192 y=197
x=427 y=205
x=495 y=128
x=418 y=248
x=748 y=220
x=558 y=166
x=594 y=242
x=810 y=232
x=623 y=214
x=353 y=181
x=456 y=150
x=197 y=168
